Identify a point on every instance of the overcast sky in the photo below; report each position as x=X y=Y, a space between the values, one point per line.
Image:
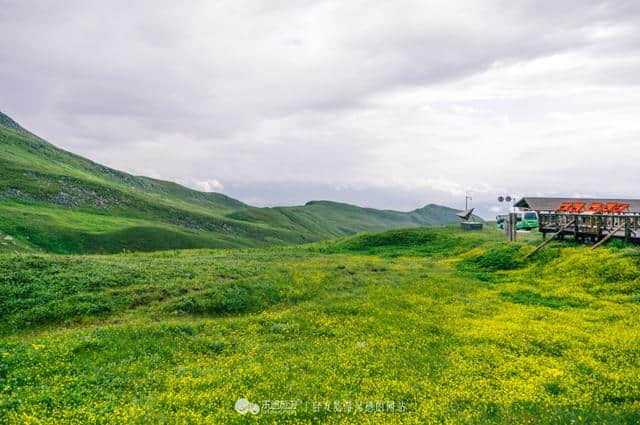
x=390 y=104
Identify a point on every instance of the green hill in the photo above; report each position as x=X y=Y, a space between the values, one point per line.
x=55 y=201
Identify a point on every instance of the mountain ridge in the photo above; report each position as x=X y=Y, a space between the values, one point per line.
x=56 y=201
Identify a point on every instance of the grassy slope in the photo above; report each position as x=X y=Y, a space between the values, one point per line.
x=56 y=201
x=457 y=326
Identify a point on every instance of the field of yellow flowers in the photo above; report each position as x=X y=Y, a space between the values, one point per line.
x=404 y=327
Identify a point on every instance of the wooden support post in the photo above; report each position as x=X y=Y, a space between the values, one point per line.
x=609 y=236
x=550 y=239
x=627 y=229
x=511 y=227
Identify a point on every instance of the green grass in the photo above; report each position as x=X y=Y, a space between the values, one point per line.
x=457 y=326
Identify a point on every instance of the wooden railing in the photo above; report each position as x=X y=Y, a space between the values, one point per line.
x=626 y=225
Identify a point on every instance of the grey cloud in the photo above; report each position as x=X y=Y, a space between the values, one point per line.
x=248 y=92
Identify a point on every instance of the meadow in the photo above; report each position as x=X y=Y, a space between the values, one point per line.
x=426 y=325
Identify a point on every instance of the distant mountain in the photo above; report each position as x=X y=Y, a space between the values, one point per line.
x=56 y=201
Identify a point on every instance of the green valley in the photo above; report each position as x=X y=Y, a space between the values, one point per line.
x=130 y=300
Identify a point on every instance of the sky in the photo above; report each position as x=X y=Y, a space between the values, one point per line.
x=387 y=104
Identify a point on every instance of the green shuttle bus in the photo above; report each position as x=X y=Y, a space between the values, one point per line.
x=525 y=220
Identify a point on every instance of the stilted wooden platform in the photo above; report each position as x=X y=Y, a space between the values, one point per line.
x=586 y=227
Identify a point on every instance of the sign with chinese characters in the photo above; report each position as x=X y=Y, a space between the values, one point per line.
x=594 y=207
